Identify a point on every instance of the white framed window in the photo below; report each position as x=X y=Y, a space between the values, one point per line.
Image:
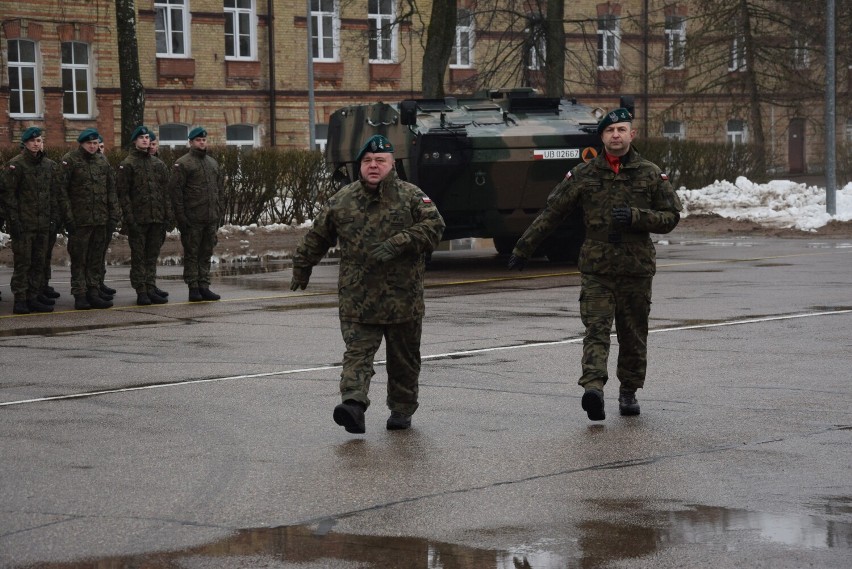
x=240 y=29
x=737 y=131
x=171 y=27
x=174 y=135
x=383 y=33
x=674 y=130
x=675 y=37
x=76 y=80
x=462 y=55
x=609 y=39
x=737 y=61
x=325 y=29
x=242 y=135
x=801 y=54
x=24 y=79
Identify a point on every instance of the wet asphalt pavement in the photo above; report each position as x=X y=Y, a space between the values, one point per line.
x=200 y=435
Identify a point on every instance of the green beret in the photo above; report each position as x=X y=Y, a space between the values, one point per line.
x=31 y=132
x=153 y=135
x=612 y=117
x=87 y=135
x=197 y=132
x=375 y=144
x=139 y=131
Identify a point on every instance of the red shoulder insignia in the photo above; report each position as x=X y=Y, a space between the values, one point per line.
x=664 y=176
x=427 y=199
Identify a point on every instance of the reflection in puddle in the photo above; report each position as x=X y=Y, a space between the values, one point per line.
x=597 y=543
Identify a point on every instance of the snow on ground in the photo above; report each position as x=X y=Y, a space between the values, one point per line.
x=779 y=203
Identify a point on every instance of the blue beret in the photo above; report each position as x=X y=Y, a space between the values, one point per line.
x=31 y=132
x=139 y=131
x=87 y=135
x=376 y=143
x=612 y=117
x=196 y=132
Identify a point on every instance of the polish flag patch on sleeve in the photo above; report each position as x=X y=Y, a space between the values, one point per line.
x=664 y=176
x=427 y=199
x=568 y=175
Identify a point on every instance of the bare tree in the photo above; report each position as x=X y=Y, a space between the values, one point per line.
x=440 y=38
x=132 y=90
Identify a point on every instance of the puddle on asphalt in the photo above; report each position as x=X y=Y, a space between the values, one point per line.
x=596 y=544
x=54 y=330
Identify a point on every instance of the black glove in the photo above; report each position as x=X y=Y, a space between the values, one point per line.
x=622 y=216
x=301 y=276
x=516 y=263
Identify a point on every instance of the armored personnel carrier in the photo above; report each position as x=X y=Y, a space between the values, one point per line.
x=488 y=162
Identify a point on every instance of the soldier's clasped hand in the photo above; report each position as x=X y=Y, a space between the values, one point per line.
x=622 y=215
x=383 y=251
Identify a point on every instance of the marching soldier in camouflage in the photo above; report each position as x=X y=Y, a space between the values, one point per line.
x=29 y=195
x=142 y=183
x=88 y=185
x=197 y=187
x=624 y=198
x=385 y=228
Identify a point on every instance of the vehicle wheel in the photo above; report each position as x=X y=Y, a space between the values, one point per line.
x=505 y=243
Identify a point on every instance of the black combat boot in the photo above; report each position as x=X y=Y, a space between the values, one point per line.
x=45 y=300
x=195 y=294
x=208 y=294
x=95 y=300
x=627 y=404
x=398 y=421
x=161 y=292
x=593 y=404
x=350 y=416
x=106 y=290
x=81 y=303
x=156 y=298
x=20 y=307
x=142 y=299
x=50 y=292
x=36 y=306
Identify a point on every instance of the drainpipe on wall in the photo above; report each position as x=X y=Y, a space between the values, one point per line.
x=645 y=42
x=270 y=10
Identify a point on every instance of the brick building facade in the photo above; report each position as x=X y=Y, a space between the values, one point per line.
x=239 y=68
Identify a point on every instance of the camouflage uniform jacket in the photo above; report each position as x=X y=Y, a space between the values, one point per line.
x=356 y=218
x=142 y=185
x=88 y=185
x=197 y=188
x=610 y=249
x=30 y=191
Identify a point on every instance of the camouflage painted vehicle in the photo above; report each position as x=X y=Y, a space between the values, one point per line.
x=487 y=162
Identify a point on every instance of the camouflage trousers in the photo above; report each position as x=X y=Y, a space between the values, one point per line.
x=48 y=257
x=198 y=241
x=86 y=246
x=107 y=240
x=28 y=273
x=145 y=241
x=627 y=300
x=402 y=344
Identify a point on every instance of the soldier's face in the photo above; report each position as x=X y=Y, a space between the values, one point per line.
x=152 y=149
x=375 y=167
x=90 y=146
x=34 y=144
x=617 y=138
x=199 y=142
x=143 y=141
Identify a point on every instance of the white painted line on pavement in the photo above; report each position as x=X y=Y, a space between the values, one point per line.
x=424 y=358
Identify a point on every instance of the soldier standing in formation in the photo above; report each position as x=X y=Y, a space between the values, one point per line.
x=29 y=196
x=624 y=198
x=197 y=187
x=154 y=150
x=384 y=228
x=141 y=186
x=107 y=292
x=88 y=182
